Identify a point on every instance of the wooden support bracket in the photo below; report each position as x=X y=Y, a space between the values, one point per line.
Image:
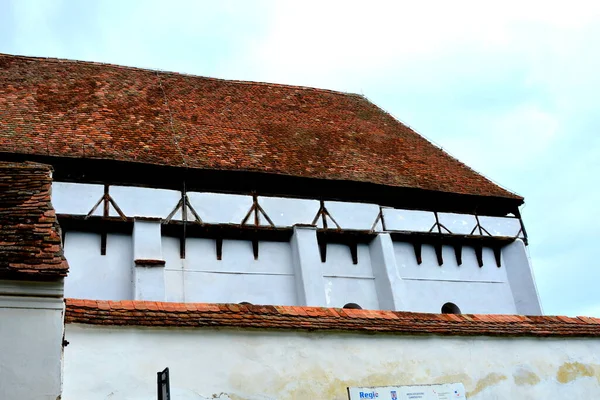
x=219 y=248
x=322 y=249
x=458 y=253
x=255 y=248
x=479 y=254
x=323 y=214
x=417 y=246
x=354 y=252
x=498 y=255
x=438 y=253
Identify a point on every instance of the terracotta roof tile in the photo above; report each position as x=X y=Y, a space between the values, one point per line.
x=589 y=320
x=30 y=244
x=80 y=109
x=142 y=313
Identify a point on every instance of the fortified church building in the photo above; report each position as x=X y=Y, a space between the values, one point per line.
x=178 y=201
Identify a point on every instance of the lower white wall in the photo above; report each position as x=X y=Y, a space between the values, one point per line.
x=31 y=331
x=121 y=363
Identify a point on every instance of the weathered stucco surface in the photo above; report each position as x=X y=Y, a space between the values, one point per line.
x=121 y=363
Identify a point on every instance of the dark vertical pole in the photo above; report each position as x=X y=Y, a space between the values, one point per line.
x=163 y=386
x=105 y=213
x=478 y=225
x=437 y=223
x=184 y=217
x=255 y=206
x=256 y=223
x=323 y=215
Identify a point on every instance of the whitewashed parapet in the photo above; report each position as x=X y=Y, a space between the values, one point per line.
x=286 y=212
x=458 y=224
x=408 y=220
x=352 y=216
x=219 y=208
x=501 y=226
x=143 y=202
x=76 y=198
x=147 y=241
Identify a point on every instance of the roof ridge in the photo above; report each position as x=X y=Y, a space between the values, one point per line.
x=184 y=74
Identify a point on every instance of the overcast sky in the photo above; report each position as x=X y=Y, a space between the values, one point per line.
x=511 y=90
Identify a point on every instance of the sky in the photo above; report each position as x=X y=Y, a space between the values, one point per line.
x=510 y=88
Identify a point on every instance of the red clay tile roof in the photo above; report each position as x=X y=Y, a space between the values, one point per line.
x=162 y=314
x=29 y=233
x=82 y=109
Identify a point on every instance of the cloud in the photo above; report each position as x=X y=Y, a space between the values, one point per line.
x=510 y=88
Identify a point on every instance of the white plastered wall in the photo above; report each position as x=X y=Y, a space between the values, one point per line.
x=31 y=331
x=346 y=282
x=96 y=276
x=291 y=273
x=271 y=279
x=236 y=278
x=474 y=289
x=121 y=363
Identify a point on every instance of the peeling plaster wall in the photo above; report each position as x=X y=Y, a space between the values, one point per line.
x=121 y=363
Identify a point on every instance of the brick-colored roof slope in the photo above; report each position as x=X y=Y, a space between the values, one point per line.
x=162 y=314
x=29 y=234
x=81 y=109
